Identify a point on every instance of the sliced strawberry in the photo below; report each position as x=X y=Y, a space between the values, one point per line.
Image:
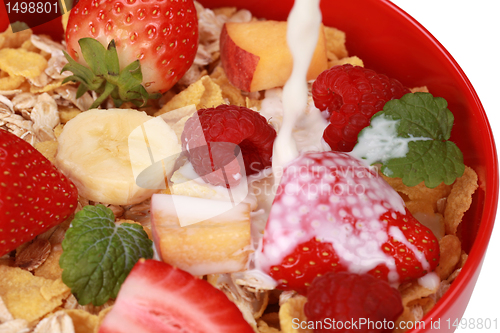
x=332 y=213
x=159 y=298
x=34 y=195
x=161 y=35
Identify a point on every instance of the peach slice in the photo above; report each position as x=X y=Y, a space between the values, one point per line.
x=255 y=55
x=201 y=236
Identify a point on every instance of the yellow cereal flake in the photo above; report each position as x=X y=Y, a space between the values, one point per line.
x=68 y=113
x=173 y=116
x=5 y=315
x=11 y=82
x=29 y=46
x=48 y=149
x=230 y=92
x=335 y=42
x=420 y=192
x=354 y=60
x=48 y=87
x=64 y=21
x=9 y=39
x=146 y=229
x=412 y=291
x=459 y=200
x=204 y=93
x=450 y=249
x=50 y=269
x=263 y=327
x=19 y=62
x=419 y=89
x=226 y=11
x=83 y=321
x=421 y=206
x=100 y=317
x=30 y=297
x=58 y=130
x=253 y=104
x=293 y=308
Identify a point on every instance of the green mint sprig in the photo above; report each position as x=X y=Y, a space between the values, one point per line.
x=98 y=255
x=104 y=75
x=426 y=122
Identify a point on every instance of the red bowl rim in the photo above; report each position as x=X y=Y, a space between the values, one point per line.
x=478 y=251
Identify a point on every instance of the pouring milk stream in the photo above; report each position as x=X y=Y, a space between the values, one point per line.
x=302 y=36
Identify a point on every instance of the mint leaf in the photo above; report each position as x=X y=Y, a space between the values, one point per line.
x=98 y=255
x=421 y=115
x=409 y=138
x=431 y=161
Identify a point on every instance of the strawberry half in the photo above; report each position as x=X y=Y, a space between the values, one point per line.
x=34 y=195
x=332 y=213
x=157 y=297
x=161 y=35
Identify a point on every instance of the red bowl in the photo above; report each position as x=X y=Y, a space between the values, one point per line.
x=392 y=42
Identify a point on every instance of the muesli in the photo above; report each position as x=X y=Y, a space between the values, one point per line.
x=54 y=280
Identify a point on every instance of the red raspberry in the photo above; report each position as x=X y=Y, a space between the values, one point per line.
x=352 y=298
x=352 y=95
x=210 y=138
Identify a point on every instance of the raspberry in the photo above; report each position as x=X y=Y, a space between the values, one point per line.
x=347 y=297
x=210 y=138
x=352 y=95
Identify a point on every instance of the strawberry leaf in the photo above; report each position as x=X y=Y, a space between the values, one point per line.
x=105 y=77
x=98 y=254
x=409 y=138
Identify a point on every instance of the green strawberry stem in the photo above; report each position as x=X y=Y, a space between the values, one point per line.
x=103 y=75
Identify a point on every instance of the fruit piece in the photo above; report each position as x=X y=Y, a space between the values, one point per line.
x=255 y=55
x=105 y=151
x=157 y=297
x=347 y=298
x=352 y=95
x=163 y=36
x=409 y=138
x=227 y=125
x=213 y=238
x=34 y=195
x=99 y=254
x=332 y=213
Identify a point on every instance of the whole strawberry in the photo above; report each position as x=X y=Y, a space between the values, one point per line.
x=161 y=35
x=34 y=195
x=211 y=136
x=351 y=298
x=352 y=95
x=332 y=213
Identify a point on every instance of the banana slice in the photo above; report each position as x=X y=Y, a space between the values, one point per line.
x=104 y=151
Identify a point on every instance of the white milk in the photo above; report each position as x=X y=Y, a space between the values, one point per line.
x=302 y=37
x=380 y=142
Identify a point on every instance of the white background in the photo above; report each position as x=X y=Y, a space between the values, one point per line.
x=470 y=31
